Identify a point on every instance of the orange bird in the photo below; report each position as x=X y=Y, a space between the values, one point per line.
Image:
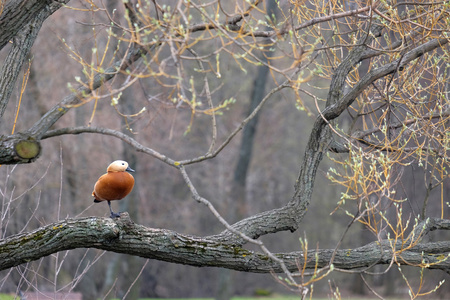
x=116 y=184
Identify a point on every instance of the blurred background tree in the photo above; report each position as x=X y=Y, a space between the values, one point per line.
x=354 y=91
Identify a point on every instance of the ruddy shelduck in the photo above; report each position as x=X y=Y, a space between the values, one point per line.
x=116 y=184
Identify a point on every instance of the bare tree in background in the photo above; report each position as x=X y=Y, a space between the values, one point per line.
x=372 y=75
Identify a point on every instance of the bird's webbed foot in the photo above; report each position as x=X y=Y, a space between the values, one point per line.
x=115 y=215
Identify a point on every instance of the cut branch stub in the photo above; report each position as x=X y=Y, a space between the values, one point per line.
x=28 y=149
x=19 y=148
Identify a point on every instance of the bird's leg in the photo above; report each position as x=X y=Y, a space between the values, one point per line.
x=113 y=214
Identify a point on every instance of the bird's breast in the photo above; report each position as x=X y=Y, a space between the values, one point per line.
x=113 y=186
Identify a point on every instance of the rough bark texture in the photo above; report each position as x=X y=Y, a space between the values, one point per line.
x=19 y=148
x=123 y=236
x=23 y=20
x=17 y=14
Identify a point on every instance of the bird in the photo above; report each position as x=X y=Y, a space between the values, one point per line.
x=116 y=184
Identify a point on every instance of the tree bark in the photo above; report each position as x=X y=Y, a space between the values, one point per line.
x=17 y=14
x=23 y=20
x=19 y=148
x=123 y=236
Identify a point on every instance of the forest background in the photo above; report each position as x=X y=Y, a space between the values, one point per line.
x=189 y=92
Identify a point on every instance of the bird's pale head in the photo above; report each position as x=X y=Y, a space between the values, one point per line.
x=119 y=166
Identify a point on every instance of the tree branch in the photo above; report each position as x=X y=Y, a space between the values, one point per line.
x=106 y=131
x=19 y=148
x=320 y=137
x=335 y=110
x=123 y=236
x=232 y=24
x=14 y=61
x=22 y=41
x=17 y=14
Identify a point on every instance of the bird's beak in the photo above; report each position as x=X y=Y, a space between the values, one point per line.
x=130 y=169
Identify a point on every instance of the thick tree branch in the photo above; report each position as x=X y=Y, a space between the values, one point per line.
x=19 y=148
x=335 y=110
x=320 y=137
x=18 y=14
x=13 y=63
x=22 y=41
x=123 y=236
